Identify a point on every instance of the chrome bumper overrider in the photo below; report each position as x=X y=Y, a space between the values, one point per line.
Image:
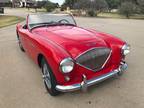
x=85 y=83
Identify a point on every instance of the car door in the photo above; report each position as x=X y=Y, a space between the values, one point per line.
x=28 y=41
x=22 y=36
x=31 y=44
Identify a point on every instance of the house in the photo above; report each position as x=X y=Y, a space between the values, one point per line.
x=4 y=3
x=26 y=3
x=22 y=3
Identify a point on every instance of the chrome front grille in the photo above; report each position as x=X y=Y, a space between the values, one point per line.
x=94 y=59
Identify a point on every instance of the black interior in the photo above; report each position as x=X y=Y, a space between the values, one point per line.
x=25 y=26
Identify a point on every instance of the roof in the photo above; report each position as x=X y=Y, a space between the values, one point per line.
x=4 y=1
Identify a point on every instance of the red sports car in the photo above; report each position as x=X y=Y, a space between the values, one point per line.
x=71 y=57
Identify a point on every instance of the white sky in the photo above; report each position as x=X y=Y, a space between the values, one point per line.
x=56 y=1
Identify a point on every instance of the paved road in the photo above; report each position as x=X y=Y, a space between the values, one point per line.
x=21 y=83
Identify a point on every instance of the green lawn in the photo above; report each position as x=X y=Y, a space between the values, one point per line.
x=32 y=10
x=9 y=20
x=116 y=15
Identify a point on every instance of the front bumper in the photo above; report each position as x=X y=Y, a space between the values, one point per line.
x=85 y=83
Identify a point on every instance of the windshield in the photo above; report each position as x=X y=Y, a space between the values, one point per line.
x=50 y=19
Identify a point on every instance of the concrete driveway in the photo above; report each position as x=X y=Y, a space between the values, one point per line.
x=21 y=83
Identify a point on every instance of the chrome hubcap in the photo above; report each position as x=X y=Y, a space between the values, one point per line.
x=46 y=76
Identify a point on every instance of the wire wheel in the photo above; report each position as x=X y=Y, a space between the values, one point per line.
x=46 y=76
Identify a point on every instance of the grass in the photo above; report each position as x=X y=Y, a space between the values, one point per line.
x=116 y=15
x=110 y=15
x=9 y=20
x=32 y=10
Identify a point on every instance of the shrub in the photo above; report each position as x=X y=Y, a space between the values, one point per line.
x=50 y=7
x=127 y=9
x=91 y=13
x=94 y=7
x=141 y=5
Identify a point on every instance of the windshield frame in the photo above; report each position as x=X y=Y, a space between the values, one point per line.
x=53 y=24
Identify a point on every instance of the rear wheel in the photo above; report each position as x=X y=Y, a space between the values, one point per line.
x=48 y=78
x=20 y=44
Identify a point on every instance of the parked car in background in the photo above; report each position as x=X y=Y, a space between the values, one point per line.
x=71 y=57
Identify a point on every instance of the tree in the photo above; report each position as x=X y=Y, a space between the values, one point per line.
x=41 y=4
x=13 y=3
x=92 y=6
x=50 y=6
x=70 y=3
x=141 y=5
x=113 y=4
x=127 y=9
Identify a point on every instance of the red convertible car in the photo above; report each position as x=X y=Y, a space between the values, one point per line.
x=71 y=57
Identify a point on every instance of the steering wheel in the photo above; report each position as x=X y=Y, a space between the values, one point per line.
x=64 y=21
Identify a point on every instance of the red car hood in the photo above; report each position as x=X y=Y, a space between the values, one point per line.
x=74 y=40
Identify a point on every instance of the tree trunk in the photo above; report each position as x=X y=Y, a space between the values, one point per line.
x=13 y=3
x=128 y=16
x=109 y=10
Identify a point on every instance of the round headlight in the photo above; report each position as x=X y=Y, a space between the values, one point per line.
x=67 y=65
x=125 y=49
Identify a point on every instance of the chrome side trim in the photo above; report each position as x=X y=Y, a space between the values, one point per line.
x=85 y=83
x=102 y=65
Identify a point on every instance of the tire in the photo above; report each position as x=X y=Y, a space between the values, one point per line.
x=20 y=44
x=48 y=78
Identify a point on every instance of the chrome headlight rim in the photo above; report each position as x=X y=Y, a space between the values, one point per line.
x=125 y=49
x=67 y=62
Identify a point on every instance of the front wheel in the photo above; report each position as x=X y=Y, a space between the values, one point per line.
x=48 y=78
